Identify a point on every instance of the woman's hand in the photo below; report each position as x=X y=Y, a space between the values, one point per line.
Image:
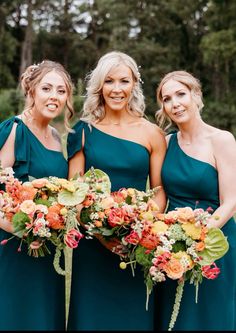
x=6 y=225
x=114 y=245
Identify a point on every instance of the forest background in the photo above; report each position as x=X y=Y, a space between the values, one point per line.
x=194 y=35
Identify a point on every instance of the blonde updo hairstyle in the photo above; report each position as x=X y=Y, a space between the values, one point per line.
x=31 y=78
x=93 y=109
x=187 y=79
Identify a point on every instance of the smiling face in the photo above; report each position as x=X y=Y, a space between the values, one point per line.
x=117 y=88
x=177 y=101
x=50 y=96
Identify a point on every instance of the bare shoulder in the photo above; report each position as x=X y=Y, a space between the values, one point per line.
x=152 y=129
x=222 y=137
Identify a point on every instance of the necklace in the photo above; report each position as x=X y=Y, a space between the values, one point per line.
x=45 y=135
x=187 y=143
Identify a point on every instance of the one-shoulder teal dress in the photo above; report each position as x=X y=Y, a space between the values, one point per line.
x=191 y=182
x=104 y=297
x=31 y=292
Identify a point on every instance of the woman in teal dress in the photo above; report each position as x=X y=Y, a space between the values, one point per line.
x=198 y=171
x=32 y=293
x=113 y=136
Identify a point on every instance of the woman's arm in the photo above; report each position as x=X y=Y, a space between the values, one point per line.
x=158 y=151
x=224 y=148
x=7 y=158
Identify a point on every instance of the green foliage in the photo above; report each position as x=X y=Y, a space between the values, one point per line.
x=10 y=102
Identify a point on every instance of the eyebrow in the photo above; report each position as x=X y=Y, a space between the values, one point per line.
x=110 y=77
x=49 y=84
x=175 y=91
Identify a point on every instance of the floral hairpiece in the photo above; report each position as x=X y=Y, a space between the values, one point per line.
x=139 y=76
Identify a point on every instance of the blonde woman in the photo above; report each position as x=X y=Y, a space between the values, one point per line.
x=198 y=171
x=32 y=293
x=114 y=136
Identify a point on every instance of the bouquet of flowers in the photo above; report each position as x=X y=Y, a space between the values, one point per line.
x=183 y=248
x=42 y=210
x=176 y=245
x=125 y=215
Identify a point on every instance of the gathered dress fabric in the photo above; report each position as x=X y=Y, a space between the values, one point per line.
x=105 y=297
x=194 y=183
x=32 y=294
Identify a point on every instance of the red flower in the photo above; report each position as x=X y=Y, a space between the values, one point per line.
x=132 y=238
x=210 y=272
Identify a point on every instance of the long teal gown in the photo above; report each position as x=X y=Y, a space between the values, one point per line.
x=31 y=292
x=191 y=182
x=104 y=297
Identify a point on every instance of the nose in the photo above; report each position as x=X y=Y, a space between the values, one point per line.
x=53 y=94
x=175 y=102
x=116 y=86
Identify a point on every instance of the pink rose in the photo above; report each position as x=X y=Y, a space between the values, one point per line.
x=72 y=238
x=116 y=217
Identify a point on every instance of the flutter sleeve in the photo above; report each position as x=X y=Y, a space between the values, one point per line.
x=74 y=140
x=22 y=146
x=5 y=130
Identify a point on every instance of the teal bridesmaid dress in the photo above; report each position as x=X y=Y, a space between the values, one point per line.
x=191 y=182
x=31 y=292
x=104 y=297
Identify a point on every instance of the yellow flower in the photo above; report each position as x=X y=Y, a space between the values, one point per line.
x=52 y=187
x=148 y=216
x=191 y=230
x=67 y=185
x=63 y=211
x=130 y=192
x=159 y=226
x=184 y=259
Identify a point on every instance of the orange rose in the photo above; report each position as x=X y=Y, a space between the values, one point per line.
x=55 y=219
x=174 y=269
x=185 y=214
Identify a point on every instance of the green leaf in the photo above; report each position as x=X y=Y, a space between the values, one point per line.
x=106 y=232
x=216 y=245
x=179 y=246
x=144 y=259
x=41 y=201
x=67 y=198
x=19 y=220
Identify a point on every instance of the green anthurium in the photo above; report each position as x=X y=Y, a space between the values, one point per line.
x=73 y=198
x=216 y=245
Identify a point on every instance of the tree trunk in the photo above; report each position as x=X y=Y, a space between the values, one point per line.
x=26 y=51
